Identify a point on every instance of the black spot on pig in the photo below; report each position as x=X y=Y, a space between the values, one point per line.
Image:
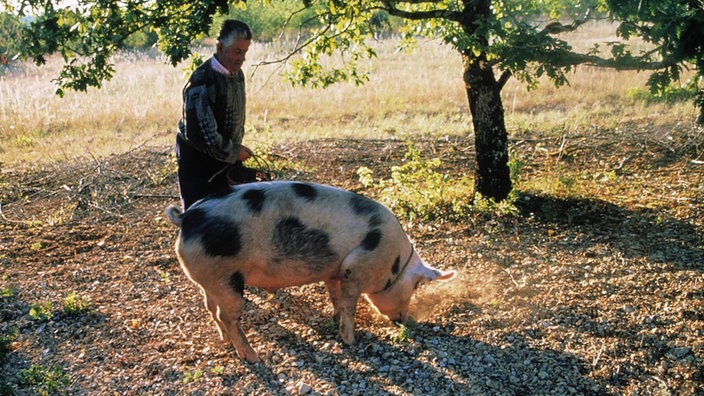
x=363 y=206
x=375 y=221
x=236 y=282
x=371 y=241
x=255 y=199
x=396 y=266
x=293 y=240
x=220 y=236
x=305 y=191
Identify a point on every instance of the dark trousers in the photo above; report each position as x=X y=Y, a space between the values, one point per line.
x=199 y=175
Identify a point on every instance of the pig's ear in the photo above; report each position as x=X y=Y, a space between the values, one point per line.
x=437 y=275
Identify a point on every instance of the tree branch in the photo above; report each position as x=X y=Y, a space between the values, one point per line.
x=555 y=27
x=299 y=47
x=504 y=78
x=633 y=63
x=420 y=15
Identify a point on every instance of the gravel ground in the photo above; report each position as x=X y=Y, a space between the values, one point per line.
x=575 y=296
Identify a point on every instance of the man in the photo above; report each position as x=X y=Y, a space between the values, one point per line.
x=209 y=141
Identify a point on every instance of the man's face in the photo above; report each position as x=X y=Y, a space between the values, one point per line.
x=233 y=57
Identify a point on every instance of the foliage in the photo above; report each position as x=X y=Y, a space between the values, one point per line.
x=86 y=34
x=218 y=370
x=5 y=388
x=416 y=190
x=489 y=206
x=46 y=381
x=75 y=305
x=514 y=35
x=7 y=337
x=6 y=294
x=405 y=332
x=676 y=31
x=41 y=312
x=141 y=39
x=10 y=29
x=666 y=94
x=271 y=21
x=194 y=376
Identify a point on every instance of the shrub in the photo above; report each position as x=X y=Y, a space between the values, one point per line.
x=75 y=305
x=41 y=312
x=416 y=190
x=45 y=380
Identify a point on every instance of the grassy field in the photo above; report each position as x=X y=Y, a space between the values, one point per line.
x=409 y=95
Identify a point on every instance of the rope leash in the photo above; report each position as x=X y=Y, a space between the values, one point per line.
x=390 y=284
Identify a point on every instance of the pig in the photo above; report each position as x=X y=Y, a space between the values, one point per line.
x=280 y=234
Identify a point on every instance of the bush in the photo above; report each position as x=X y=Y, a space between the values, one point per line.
x=416 y=190
x=46 y=381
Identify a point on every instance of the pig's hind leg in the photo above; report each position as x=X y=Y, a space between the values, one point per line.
x=212 y=307
x=225 y=306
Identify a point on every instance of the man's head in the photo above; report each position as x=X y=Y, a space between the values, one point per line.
x=233 y=43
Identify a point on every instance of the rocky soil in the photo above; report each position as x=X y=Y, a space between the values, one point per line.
x=593 y=296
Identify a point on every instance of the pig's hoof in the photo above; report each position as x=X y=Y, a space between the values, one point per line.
x=253 y=358
x=249 y=356
x=347 y=338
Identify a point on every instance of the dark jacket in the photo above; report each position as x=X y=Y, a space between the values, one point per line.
x=214 y=113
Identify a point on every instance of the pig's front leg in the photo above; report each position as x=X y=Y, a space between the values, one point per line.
x=352 y=281
x=344 y=305
x=349 y=296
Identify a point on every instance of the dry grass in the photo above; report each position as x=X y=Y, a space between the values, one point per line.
x=409 y=95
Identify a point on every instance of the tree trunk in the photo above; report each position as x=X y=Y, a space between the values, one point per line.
x=492 y=175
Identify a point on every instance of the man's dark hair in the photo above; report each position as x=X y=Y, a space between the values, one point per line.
x=233 y=29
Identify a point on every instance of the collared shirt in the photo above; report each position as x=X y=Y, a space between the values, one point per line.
x=218 y=67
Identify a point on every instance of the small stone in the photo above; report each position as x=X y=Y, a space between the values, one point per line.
x=304 y=389
x=679 y=353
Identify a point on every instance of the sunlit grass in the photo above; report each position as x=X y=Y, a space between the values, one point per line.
x=408 y=95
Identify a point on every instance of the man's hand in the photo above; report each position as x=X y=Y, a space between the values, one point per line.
x=245 y=153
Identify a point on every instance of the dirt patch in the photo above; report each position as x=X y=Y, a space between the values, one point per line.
x=575 y=296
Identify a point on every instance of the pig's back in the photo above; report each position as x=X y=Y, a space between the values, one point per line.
x=265 y=210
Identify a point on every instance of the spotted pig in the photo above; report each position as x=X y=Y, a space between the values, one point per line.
x=279 y=234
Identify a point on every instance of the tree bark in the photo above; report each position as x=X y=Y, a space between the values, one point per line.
x=492 y=175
